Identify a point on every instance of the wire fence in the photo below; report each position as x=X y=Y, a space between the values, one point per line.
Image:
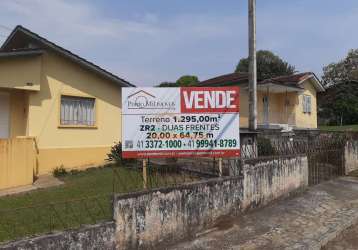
x=85 y=198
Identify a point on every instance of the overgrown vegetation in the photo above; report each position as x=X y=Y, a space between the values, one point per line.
x=353 y=128
x=265 y=147
x=116 y=155
x=59 y=171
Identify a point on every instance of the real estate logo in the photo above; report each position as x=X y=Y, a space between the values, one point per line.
x=144 y=100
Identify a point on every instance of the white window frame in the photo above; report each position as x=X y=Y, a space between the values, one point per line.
x=77 y=111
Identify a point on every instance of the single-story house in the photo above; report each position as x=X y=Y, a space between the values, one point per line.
x=71 y=106
x=284 y=103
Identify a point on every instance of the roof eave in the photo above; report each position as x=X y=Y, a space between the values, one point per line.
x=69 y=55
x=21 y=53
x=317 y=83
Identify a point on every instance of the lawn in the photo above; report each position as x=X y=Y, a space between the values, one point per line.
x=85 y=198
x=353 y=128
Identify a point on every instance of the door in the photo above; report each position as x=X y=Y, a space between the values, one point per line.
x=265 y=101
x=4 y=115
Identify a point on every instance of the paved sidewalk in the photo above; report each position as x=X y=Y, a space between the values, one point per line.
x=44 y=181
x=308 y=221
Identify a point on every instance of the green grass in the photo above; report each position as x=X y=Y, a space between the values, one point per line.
x=353 y=128
x=85 y=198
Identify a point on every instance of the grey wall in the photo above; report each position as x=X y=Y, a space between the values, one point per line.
x=99 y=236
x=145 y=219
x=268 y=179
x=148 y=218
x=351 y=156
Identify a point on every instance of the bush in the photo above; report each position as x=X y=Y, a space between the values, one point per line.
x=59 y=171
x=116 y=155
x=264 y=147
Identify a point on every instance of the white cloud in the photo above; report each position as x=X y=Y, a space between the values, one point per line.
x=148 y=49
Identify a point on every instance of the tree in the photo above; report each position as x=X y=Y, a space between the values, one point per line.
x=342 y=71
x=269 y=65
x=168 y=84
x=184 y=81
x=338 y=105
x=187 y=80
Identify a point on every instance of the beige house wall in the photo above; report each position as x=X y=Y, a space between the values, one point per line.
x=280 y=111
x=72 y=146
x=21 y=72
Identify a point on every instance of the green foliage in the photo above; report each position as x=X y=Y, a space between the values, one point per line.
x=353 y=128
x=187 y=80
x=59 y=171
x=343 y=71
x=264 y=147
x=168 y=84
x=269 y=65
x=183 y=81
x=116 y=155
x=338 y=105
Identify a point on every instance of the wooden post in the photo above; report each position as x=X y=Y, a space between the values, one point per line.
x=145 y=180
x=220 y=167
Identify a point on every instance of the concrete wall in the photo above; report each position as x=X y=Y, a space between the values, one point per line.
x=351 y=156
x=99 y=236
x=268 y=179
x=147 y=218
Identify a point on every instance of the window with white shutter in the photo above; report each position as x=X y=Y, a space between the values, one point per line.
x=77 y=111
x=307 y=104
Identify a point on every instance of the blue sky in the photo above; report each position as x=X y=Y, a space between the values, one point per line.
x=150 y=41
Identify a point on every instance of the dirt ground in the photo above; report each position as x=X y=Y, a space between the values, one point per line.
x=348 y=240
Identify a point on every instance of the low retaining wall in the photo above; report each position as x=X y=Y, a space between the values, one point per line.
x=150 y=218
x=147 y=219
x=268 y=179
x=351 y=156
x=99 y=236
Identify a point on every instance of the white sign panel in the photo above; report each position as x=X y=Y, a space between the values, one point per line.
x=180 y=122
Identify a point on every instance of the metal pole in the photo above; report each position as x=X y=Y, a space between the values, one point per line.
x=252 y=66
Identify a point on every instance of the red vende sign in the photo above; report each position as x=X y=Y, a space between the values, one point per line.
x=209 y=100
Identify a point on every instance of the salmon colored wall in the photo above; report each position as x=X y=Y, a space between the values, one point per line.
x=17 y=72
x=61 y=76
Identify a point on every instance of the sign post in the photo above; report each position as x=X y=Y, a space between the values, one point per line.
x=180 y=122
x=145 y=178
x=220 y=167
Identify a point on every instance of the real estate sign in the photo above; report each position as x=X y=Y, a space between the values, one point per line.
x=180 y=122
